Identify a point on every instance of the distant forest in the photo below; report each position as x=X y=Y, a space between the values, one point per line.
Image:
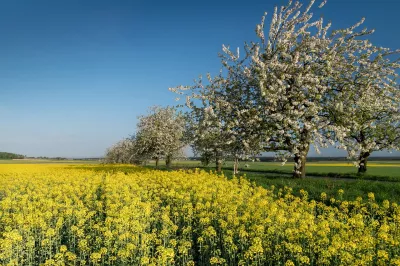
x=9 y=156
x=317 y=159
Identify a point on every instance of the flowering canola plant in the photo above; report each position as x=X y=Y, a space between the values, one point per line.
x=57 y=215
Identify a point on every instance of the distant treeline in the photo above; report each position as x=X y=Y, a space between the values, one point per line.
x=10 y=156
x=317 y=159
x=88 y=159
x=46 y=158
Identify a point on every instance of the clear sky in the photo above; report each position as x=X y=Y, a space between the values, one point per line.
x=74 y=74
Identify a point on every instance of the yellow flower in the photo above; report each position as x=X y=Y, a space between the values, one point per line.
x=95 y=256
x=289 y=263
x=217 y=261
x=63 y=248
x=383 y=255
x=304 y=260
x=371 y=196
x=323 y=196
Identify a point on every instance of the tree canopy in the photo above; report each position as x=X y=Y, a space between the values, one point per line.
x=302 y=84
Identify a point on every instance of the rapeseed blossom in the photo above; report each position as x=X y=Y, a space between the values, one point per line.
x=58 y=215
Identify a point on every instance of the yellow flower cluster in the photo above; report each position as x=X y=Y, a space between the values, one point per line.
x=53 y=215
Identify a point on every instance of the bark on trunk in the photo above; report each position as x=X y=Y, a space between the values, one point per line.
x=300 y=159
x=363 y=162
x=157 y=159
x=168 y=161
x=218 y=162
x=235 y=166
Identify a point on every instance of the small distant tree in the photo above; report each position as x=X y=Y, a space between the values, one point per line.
x=121 y=152
x=205 y=134
x=368 y=97
x=224 y=115
x=160 y=134
x=242 y=107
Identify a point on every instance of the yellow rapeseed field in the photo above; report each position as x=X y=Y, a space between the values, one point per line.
x=58 y=215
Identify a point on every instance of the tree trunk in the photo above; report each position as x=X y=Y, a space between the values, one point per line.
x=235 y=166
x=168 y=161
x=300 y=163
x=363 y=162
x=157 y=159
x=218 y=162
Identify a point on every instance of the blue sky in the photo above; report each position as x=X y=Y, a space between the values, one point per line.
x=74 y=75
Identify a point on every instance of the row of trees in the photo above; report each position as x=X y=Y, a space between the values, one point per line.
x=159 y=135
x=302 y=84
